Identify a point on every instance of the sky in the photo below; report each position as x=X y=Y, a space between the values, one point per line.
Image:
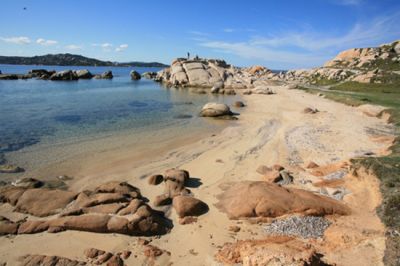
x=284 y=34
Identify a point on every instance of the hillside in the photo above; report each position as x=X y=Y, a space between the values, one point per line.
x=69 y=60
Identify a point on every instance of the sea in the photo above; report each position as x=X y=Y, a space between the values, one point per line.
x=36 y=115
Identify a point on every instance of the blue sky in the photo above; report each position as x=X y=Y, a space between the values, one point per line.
x=278 y=34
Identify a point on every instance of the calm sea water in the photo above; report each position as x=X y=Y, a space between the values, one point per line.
x=34 y=111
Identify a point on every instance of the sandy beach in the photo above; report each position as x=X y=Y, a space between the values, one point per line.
x=271 y=129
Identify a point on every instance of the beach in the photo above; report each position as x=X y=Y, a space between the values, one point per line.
x=271 y=129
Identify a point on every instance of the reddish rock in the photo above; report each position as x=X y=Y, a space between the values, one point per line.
x=151 y=251
x=262 y=199
x=92 y=253
x=189 y=206
x=43 y=202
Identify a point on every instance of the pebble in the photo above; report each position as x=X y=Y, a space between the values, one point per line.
x=304 y=227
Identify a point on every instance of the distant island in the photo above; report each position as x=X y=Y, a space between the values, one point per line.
x=70 y=60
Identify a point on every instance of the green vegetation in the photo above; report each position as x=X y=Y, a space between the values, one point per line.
x=386 y=168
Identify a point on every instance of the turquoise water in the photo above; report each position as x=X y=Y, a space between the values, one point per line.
x=32 y=111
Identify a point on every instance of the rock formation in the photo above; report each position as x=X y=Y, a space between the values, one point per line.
x=209 y=73
x=114 y=207
x=258 y=199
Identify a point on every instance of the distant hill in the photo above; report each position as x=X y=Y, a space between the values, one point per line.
x=70 y=60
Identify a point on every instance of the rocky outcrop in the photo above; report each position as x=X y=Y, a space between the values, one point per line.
x=365 y=65
x=209 y=73
x=258 y=199
x=135 y=75
x=64 y=75
x=367 y=58
x=114 y=207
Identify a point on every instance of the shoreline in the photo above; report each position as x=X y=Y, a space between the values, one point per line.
x=271 y=129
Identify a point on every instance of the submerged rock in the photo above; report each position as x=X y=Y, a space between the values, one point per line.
x=135 y=75
x=10 y=169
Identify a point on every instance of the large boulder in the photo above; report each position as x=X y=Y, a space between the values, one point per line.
x=215 y=110
x=83 y=74
x=258 y=199
x=189 y=206
x=135 y=75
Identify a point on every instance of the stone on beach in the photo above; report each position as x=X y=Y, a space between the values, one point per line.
x=252 y=199
x=215 y=110
x=189 y=206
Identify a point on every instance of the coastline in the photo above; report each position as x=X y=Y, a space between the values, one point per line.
x=271 y=129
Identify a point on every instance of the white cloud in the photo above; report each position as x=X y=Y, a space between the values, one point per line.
x=228 y=30
x=17 y=40
x=121 y=48
x=73 y=47
x=310 y=48
x=106 y=45
x=44 y=42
